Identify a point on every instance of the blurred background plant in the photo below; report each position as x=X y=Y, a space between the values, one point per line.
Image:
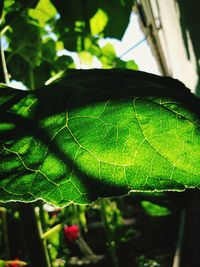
x=44 y=38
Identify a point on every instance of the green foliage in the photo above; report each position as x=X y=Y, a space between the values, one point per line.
x=144 y=261
x=98 y=133
x=109 y=59
x=95 y=17
x=43 y=12
x=36 y=31
x=24 y=52
x=154 y=209
x=98 y=22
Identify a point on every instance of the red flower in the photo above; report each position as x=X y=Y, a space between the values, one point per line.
x=13 y=264
x=71 y=232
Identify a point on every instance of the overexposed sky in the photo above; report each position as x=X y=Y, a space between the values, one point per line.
x=133 y=38
x=141 y=54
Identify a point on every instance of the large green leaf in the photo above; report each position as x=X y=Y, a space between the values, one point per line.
x=98 y=133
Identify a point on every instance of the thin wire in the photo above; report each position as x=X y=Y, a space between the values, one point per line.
x=133 y=47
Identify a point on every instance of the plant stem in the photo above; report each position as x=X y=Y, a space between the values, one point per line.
x=87 y=251
x=34 y=243
x=110 y=241
x=3 y=216
x=177 y=256
x=31 y=79
x=39 y=224
x=42 y=216
x=52 y=231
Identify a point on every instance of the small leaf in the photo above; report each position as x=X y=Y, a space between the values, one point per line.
x=43 y=12
x=85 y=58
x=98 y=22
x=118 y=13
x=154 y=210
x=130 y=64
x=126 y=64
x=98 y=133
x=107 y=56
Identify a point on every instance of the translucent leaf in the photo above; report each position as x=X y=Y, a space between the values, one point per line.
x=126 y=64
x=85 y=58
x=154 y=209
x=107 y=56
x=98 y=22
x=43 y=12
x=98 y=133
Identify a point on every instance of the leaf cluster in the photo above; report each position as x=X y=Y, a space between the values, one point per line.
x=38 y=34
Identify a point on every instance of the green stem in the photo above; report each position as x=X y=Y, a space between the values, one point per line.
x=31 y=79
x=42 y=216
x=3 y=215
x=35 y=246
x=110 y=241
x=85 y=248
x=52 y=231
x=44 y=241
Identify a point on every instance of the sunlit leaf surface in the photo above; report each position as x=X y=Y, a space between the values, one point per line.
x=98 y=133
x=43 y=12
